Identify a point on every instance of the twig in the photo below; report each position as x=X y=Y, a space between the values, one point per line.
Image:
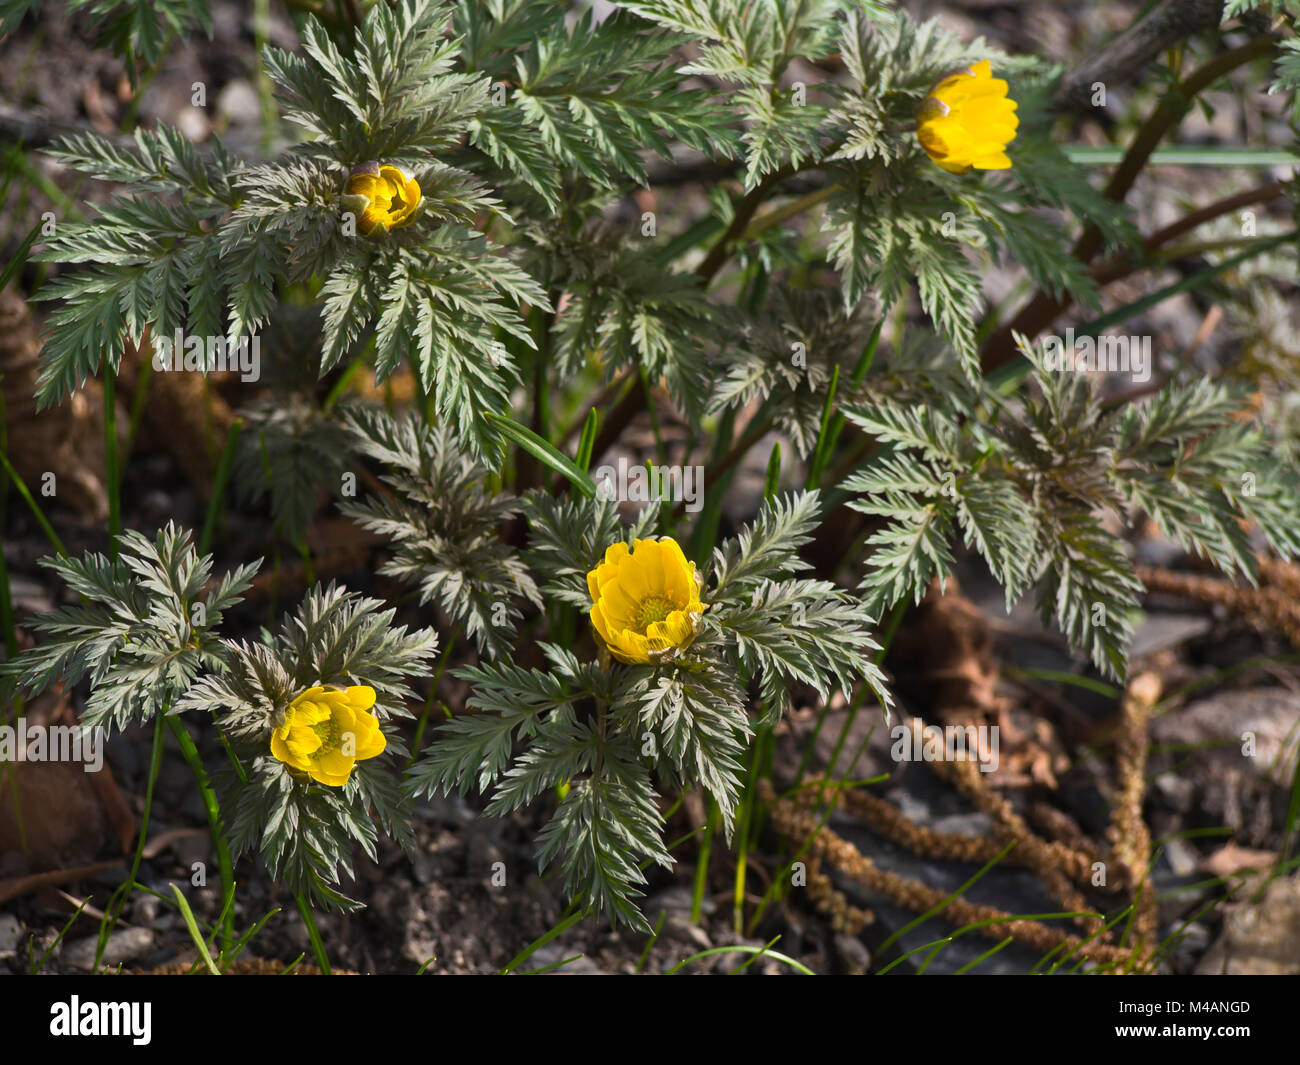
x=1124 y=58
x=1000 y=348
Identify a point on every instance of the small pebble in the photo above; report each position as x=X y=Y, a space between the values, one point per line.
x=124 y=945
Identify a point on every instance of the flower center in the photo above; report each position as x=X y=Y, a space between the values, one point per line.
x=328 y=733
x=656 y=608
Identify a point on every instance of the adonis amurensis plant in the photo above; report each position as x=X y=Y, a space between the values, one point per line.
x=312 y=769
x=664 y=703
x=456 y=204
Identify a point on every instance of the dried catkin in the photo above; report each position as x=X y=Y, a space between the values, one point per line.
x=794 y=819
x=1128 y=834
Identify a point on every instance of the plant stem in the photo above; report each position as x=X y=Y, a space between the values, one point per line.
x=1170 y=113
x=110 y=459
x=541 y=368
x=753 y=434
x=1121 y=265
x=32 y=505
x=787 y=211
x=443 y=659
x=745 y=210
x=224 y=864
x=137 y=406
x=528 y=470
x=744 y=826
x=6 y=600
x=702 y=864
x=219 y=485
x=313 y=933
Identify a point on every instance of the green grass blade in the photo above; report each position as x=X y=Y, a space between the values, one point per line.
x=543 y=451
x=742 y=948
x=188 y=916
x=772 y=480
x=19 y=257
x=1060 y=676
x=1008 y=377
x=541 y=941
x=41 y=520
x=983 y=957
x=824 y=441
x=587 y=441
x=934 y=911
x=1187 y=155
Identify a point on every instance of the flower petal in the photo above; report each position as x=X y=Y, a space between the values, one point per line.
x=361 y=697
x=371 y=742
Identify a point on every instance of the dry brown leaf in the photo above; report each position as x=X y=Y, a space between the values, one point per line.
x=67 y=439
x=184 y=416
x=13 y=887
x=1231 y=859
x=950 y=644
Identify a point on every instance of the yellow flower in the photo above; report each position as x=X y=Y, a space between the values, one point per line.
x=328 y=730
x=968 y=121
x=382 y=197
x=645 y=603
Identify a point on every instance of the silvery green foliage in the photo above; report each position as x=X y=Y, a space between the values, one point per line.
x=292 y=449
x=145 y=638
x=289 y=451
x=1028 y=491
x=618 y=736
x=586 y=98
x=574 y=112
x=792 y=349
x=506 y=102
x=522 y=125
x=750 y=47
x=893 y=222
x=144 y=629
x=444 y=526
x=305 y=831
x=205 y=243
x=133 y=28
x=630 y=305
x=897 y=220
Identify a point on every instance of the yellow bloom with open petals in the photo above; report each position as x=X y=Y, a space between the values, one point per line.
x=967 y=121
x=645 y=602
x=382 y=197
x=326 y=731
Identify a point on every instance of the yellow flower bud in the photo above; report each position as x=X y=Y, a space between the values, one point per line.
x=382 y=197
x=326 y=731
x=968 y=121
x=645 y=603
